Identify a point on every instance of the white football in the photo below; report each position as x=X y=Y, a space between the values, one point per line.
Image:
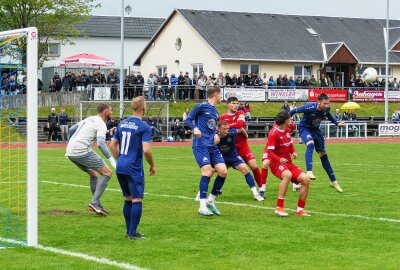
x=170 y=139
x=369 y=75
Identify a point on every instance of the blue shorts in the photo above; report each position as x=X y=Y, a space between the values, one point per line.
x=131 y=185
x=207 y=155
x=233 y=161
x=315 y=135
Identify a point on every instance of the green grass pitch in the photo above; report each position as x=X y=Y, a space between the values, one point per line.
x=359 y=229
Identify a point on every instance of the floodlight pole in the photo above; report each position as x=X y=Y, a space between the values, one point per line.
x=121 y=78
x=387 y=65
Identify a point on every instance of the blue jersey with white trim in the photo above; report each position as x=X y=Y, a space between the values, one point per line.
x=227 y=144
x=312 y=117
x=204 y=116
x=131 y=133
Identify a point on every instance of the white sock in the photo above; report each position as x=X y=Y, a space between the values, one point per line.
x=254 y=190
x=211 y=198
x=263 y=187
x=203 y=203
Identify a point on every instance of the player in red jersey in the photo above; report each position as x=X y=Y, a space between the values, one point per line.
x=280 y=152
x=266 y=161
x=236 y=119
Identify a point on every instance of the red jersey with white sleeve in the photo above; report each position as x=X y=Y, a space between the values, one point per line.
x=290 y=129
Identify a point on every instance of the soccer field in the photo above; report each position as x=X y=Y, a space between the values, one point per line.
x=359 y=229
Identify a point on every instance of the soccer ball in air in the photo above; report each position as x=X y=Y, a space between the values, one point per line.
x=170 y=139
x=370 y=75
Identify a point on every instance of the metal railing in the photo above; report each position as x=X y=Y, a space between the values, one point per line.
x=351 y=130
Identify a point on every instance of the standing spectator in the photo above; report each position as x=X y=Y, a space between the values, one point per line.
x=330 y=83
x=187 y=87
x=291 y=83
x=164 y=85
x=193 y=86
x=63 y=120
x=72 y=86
x=201 y=87
x=247 y=111
x=150 y=86
x=40 y=85
x=337 y=83
x=241 y=80
x=271 y=82
x=234 y=81
x=323 y=82
x=221 y=81
x=394 y=85
x=178 y=131
x=56 y=82
x=80 y=82
x=228 y=79
x=139 y=84
x=258 y=82
x=174 y=86
x=352 y=81
x=52 y=123
x=305 y=83
x=279 y=81
x=156 y=81
x=285 y=106
x=129 y=169
x=181 y=83
x=113 y=79
x=285 y=80
x=313 y=82
x=153 y=126
x=298 y=82
x=359 y=82
x=66 y=81
x=84 y=78
x=130 y=84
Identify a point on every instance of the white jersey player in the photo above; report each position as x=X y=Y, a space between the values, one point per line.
x=79 y=151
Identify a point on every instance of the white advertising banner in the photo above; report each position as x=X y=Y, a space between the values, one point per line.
x=102 y=93
x=389 y=129
x=288 y=94
x=245 y=94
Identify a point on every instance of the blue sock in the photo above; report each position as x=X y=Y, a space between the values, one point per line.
x=136 y=214
x=218 y=184
x=250 y=180
x=328 y=168
x=204 y=180
x=126 y=210
x=309 y=153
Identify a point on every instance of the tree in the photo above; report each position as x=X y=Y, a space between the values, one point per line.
x=55 y=19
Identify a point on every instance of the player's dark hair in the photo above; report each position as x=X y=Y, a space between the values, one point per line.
x=222 y=123
x=212 y=90
x=231 y=99
x=322 y=97
x=102 y=107
x=281 y=117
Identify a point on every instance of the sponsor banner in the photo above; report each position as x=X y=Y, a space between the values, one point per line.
x=389 y=129
x=288 y=94
x=102 y=93
x=245 y=94
x=333 y=94
x=375 y=95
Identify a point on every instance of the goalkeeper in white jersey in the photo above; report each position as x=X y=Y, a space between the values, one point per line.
x=80 y=152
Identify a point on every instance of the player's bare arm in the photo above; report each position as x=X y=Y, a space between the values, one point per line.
x=114 y=148
x=341 y=124
x=149 y=157
x=243 y=132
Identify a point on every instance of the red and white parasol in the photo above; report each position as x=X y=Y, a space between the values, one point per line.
x=86 y=60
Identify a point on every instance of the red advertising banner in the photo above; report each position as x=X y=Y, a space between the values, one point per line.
x=333 y=94
x=375 y=95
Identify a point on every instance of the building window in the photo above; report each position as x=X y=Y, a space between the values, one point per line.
x=197 y=69
x=381 y=71
x=161 y=70
x=249 y=68
x=53 y=49
x=302 y=71
x=178 y=44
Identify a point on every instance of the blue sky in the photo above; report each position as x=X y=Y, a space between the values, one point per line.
x=342 y=8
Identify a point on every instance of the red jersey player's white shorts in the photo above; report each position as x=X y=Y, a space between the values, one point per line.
x=245 y=152
x=278 y=168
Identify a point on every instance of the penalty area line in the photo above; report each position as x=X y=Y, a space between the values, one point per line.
x=242 y=204
x=86 y=257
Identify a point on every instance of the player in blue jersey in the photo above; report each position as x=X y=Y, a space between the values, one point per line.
x=227 y=146
x=203 y=121
x=312 y=137
x=129 y=143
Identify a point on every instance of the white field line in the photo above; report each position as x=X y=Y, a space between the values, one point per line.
x=86 y=257
x=241 y=204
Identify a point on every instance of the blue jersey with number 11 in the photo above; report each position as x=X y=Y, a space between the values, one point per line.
x=131 y=133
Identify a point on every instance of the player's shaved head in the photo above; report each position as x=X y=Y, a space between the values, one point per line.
x=102 y=107
x=281 y=117
x=212 y=91
x=232 y=99
x=138 y=104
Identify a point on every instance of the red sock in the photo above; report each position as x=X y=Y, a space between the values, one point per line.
x=264 y=175
x=280 y=202
x=257 y=177
x=301 y=203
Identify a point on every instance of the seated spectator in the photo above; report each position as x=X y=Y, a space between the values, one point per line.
x=178 y=131
x=345 y=116
x=285 y=106
x=247 y=111
x=395 y=117
x=337 y=115
x=295 y=117
x=153 y=125
x=352 y=116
